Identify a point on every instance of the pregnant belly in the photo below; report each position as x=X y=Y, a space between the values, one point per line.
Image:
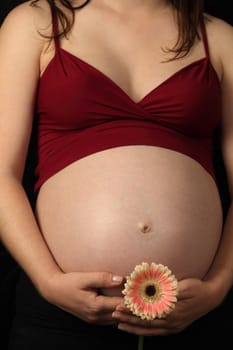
x=117 y=208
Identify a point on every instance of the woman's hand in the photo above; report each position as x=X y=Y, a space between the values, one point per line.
x=195 y=299
x=77 y=293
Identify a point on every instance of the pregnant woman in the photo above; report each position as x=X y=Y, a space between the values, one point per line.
x=128 y=96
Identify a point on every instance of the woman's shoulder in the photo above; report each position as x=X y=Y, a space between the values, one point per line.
x=217 y=24
x=26 y=29
x=220 y=38
x=28 y=16
x=220 y=32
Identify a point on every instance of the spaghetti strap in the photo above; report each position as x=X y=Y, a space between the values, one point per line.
x=55 y=29
x=204 y=36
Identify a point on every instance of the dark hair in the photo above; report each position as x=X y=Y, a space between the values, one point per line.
x=189 y=14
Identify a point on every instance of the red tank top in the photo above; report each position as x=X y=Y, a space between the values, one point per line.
x=81 y=111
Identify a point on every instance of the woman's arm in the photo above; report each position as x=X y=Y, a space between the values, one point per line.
x=222 y=268
x=20 y=50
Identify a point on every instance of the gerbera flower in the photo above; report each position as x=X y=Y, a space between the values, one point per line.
x=150 y=291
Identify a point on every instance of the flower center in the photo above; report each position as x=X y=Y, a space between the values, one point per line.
x=150 y=290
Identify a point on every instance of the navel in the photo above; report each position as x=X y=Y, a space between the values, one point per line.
x=144 y=227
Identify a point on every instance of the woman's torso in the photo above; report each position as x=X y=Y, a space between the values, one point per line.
x=113 y=209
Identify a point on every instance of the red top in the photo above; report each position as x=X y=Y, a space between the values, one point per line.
x=81 y=111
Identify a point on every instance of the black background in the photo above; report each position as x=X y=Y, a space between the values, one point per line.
x=222 y=9
x=8 y=268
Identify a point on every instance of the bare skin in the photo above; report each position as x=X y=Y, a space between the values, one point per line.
x=76 y=292
x=117 y=208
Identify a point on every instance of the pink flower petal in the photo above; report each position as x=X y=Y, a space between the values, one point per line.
x=138 y=291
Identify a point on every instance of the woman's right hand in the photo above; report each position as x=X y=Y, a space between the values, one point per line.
x=78 y=294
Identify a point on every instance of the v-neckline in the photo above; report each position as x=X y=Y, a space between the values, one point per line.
x=115 y=85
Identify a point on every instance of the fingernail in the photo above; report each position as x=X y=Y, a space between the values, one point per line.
x=120 y=327
x=116 y=279
x=120 y=309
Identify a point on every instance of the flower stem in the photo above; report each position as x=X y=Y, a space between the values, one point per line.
x=140 y=342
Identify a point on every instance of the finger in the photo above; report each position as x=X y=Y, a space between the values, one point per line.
x=107 y=304
x=104 y=319
x=186 y=287
x=100 y=279
x=122 y=308
x=136 y=321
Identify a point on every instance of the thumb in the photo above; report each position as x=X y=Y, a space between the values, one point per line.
x=102 y=280
x=187 y=288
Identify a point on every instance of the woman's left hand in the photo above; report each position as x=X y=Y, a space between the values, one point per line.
x=195 y=299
